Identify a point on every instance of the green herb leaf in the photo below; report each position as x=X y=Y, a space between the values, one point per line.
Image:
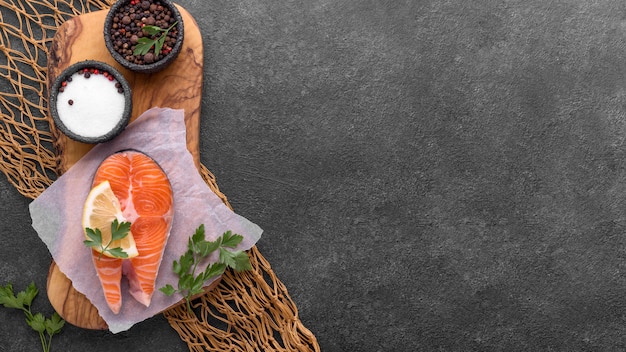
x=144 y=44
x=198 y=250
x=177 y=268
x=168 y=290
x=6 y=291
x=158 y=44
x=237 y=260
x=185 y=282
x=94 y=235
x=198 y=236
x=12 y=302
x=37 y=322
x=118 y=252
x=231 y=241
x=151 y=30
x=22 y=299
x=119 y=230
x=31 y=293
x=8 y=298
x=95 y=238
x=214 y=270
x=207 y=247
x=186 y=261
x=196 y=285
x=54 y=324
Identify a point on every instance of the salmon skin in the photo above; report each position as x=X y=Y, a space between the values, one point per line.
x=146 y=199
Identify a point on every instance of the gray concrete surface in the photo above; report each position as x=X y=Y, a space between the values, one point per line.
x=430 y=175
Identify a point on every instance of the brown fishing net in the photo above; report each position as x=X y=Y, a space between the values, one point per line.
x=249 y=311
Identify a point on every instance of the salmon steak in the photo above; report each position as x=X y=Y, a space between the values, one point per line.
x=146 y=198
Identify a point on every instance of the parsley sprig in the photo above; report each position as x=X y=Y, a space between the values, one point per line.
x=191 y=280
x=38 y=322
x=144 y=43
x=119 y=230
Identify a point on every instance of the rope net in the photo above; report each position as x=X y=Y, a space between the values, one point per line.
x=247 y=311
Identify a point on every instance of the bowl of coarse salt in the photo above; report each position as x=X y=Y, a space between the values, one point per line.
x=90 y=102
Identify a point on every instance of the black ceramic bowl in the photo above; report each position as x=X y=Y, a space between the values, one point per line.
x=142 y=13
x=86 y=102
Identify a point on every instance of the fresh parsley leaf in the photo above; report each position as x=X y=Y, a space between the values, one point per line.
x=11 y=302
x=196 y=284
x=177 y=268
x=186 y=262
x=185 y=281
x=213 y=270
x=119 y=230
x=158 y=45
x=118 y=252
x=54 y=324
x=198 y=236
x=207 y=247
x=144 y=44
x=6 y=292
x=8 y=298
x=237 y=260
x=30 y=293
x=94 y=235
x=231 y=241
x=151 y=30
x=168 y=290
x=38 y=322
x=22 y=299
x=191 y=282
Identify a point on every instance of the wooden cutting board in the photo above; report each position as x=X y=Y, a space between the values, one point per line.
x=179 y=86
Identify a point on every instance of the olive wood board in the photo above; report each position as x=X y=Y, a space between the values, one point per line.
x=179 y=86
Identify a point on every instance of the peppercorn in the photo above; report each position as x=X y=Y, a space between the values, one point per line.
x=131 y=17
x=148 y=58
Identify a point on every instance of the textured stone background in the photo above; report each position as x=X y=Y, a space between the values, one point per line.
x=430 y=175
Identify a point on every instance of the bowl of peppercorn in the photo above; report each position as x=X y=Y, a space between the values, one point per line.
x=144 y=35
x=90 y=102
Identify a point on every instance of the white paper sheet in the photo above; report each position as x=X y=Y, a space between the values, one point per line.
x=56 y=213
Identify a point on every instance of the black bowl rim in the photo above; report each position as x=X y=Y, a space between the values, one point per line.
x=155 y=66
x=128 y=104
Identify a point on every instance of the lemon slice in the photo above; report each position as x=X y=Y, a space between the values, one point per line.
x=101 y=208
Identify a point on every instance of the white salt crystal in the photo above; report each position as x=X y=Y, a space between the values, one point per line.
x=96 y=106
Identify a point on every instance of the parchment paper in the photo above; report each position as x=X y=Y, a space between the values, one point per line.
x=56 y=213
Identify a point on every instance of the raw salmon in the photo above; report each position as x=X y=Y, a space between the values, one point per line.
x=146 y=198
